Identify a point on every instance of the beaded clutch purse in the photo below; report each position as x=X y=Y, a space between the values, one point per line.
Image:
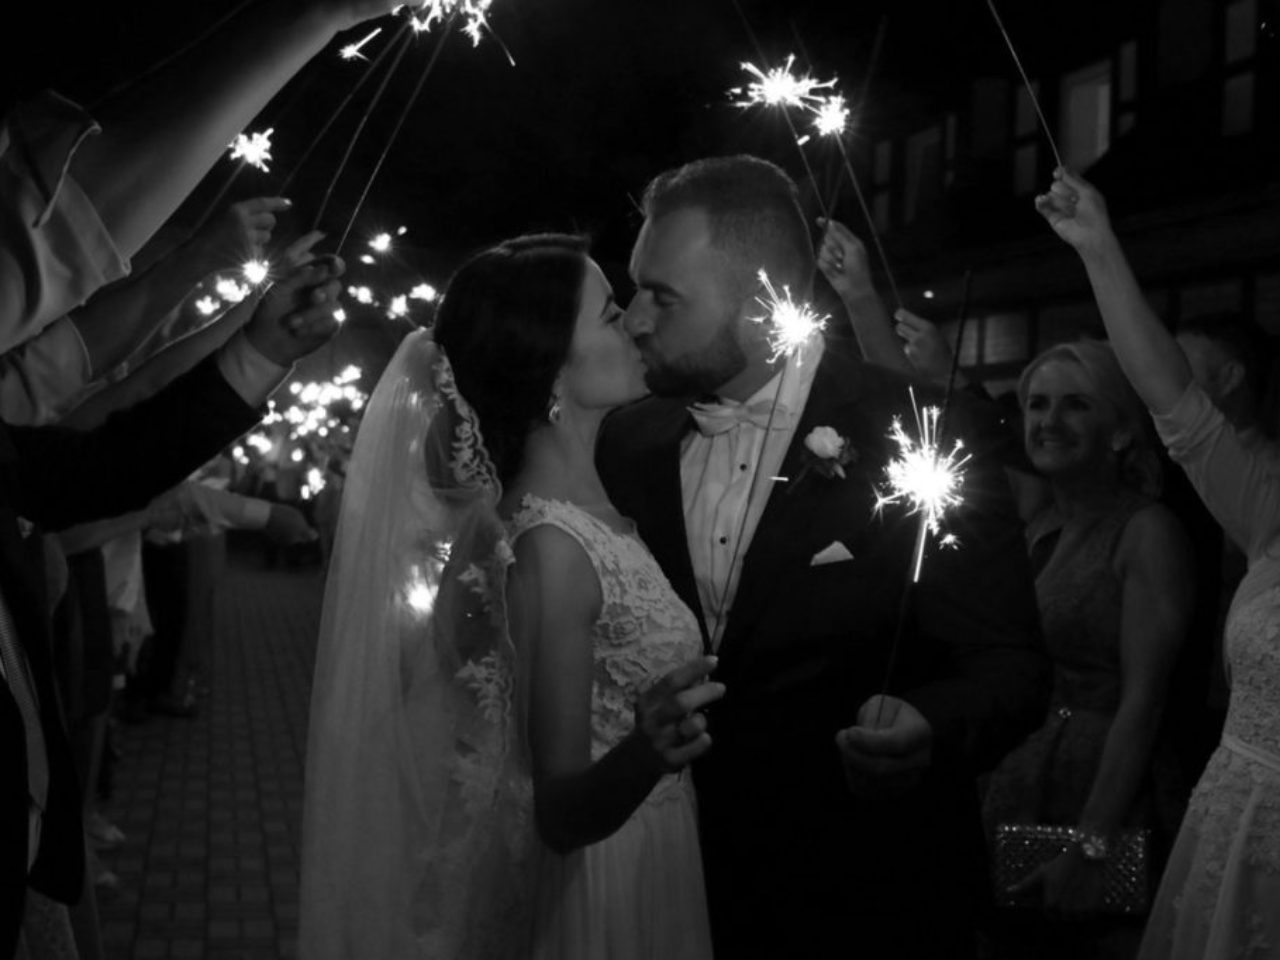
x=1020 y=848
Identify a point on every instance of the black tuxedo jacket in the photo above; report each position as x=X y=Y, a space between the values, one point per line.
x=53 y=478
x=793 y=857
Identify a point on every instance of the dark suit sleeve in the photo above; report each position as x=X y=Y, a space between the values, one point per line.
x=977 y=602
x=57 y=477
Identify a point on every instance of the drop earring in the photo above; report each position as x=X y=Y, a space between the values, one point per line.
x=553 y=410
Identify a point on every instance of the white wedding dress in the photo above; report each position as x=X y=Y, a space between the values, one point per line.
x=638 y=894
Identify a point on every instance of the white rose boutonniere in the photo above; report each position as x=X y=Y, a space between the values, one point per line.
x=828 y=454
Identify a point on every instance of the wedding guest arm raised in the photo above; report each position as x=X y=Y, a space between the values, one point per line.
x=842 y=258
x=1148 y=353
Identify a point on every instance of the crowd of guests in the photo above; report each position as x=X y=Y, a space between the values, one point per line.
x=1138 y=558
x=114 y=494
x=114 y=415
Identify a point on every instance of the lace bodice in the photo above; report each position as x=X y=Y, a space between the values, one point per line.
x=645 y=630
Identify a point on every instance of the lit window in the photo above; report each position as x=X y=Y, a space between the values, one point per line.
x=1237 y=104
x=1240 y=38
x=884 y=161
x=1086 y=115
x=880 y=210
x=1024 y=111
x=924 y=170
x=1024 y=170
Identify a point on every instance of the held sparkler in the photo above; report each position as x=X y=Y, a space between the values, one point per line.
x=790 y=327
x=1026 y=81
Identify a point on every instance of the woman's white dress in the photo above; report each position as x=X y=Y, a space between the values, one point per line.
x=1219 y=898
x=638 y=894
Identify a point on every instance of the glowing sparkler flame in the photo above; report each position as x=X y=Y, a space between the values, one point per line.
x=207 y=306
x=381 y=243
x=791 y=325
x=475 y=12
x=352 y=50
x=254 y=148
x=424 y=291
x=255 y=271
x=399 y=307
x=231 y=291
x=831 y=116
x=779 y=87
x=924 y=478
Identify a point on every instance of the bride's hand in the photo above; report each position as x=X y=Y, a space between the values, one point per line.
x=667 y=714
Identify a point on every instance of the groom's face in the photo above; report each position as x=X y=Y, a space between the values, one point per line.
x=685 y=316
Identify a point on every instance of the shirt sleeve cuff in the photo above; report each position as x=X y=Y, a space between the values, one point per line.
x=1188 y=421
x=250 y=374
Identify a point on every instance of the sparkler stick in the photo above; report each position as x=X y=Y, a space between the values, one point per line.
x=962 y=320
x=356 y=87
x=1026 y=81
x=786 y=91
x=404 y=114
x=792 y=326
x=927 y=481
x=405 y=43
x=871 y=223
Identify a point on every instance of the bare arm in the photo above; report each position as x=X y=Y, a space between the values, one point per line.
x=161 y=136
x=843 y=261
x=1155 y=565
x=555 y=600
x=119 y=318
x=1149 y=354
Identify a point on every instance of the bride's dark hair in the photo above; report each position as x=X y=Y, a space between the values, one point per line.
x=506 y=324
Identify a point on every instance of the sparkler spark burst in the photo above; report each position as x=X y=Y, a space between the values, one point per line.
x=352 y=50
x=831 y=116
x=424 y=291
x=779 y=88
x=474 y=12
x=381 y=243
x=207 y=306
x=254 y=148
x=255 y=271
x=924 y=478
x=231 y=291
x=791 y=325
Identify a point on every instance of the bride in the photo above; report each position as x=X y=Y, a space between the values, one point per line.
x=507 y=689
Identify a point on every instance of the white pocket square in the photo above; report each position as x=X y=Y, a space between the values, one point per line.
x=832 y=553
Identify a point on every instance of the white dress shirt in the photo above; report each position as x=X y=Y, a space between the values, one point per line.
x=716 y=479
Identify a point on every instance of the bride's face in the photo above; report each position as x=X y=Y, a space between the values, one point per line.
x=604 y=368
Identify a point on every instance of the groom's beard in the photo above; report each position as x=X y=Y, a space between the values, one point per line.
x=696 y=374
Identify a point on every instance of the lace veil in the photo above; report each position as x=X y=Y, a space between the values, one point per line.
x=418 y=818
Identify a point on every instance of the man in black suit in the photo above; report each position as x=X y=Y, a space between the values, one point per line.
x=828 y=827
x=53 y=478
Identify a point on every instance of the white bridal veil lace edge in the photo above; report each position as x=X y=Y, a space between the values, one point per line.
x=418 y=809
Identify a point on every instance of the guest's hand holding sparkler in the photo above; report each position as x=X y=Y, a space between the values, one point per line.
x=1077 y=212
x=889 y=749
x=297 y=315
x=242 y=232
x=925 y=346
x=842 y=258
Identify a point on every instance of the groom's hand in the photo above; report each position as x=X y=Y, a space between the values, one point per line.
x=887 y=751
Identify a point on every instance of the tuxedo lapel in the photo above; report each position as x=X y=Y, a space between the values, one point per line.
x=806 y=503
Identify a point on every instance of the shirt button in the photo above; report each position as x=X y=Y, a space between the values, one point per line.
x=742 y=466
x=724 y=540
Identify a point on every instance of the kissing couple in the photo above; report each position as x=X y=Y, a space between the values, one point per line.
x=602 y=658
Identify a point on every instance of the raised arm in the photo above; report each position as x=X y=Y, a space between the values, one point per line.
x=843 y=261
x=554 y=599
x=163 y=134
x=1150 y=356
x=119 y=318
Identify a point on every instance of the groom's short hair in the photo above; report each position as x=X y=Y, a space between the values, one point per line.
x=754 y=212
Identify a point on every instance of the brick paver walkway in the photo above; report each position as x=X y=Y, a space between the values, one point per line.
x=212 y=807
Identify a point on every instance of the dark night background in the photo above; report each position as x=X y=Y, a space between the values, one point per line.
x=607 y=93
x=604 y=94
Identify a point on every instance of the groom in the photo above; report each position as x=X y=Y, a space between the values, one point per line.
x=826 y=823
